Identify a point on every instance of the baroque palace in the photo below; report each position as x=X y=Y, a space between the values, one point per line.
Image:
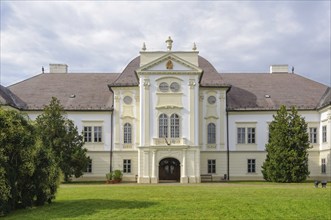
x=170 y=116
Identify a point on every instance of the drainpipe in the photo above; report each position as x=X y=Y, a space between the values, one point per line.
x=227 y=145
x=111 y=139
x=111 y=133
x=227 y=136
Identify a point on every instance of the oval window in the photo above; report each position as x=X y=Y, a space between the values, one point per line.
x=174 y=87
x=127 y=100
x=164 y=87
x=211 y=99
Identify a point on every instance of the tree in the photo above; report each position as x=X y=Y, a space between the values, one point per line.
x=59 y=134
x=46 y=176
x=17 y=156
x=287 y=149
x=4 y=185
x=74 y=159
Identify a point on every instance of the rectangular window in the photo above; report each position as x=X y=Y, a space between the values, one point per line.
x=87 y=134
x=323 y=166
x=89 y=167
x=211 y=129
x=313 y=135
x=127 y=133
x=126 y=166
x=98 y=134
x=241 y=135
x=246 y=135
x=251 y=165
x=324 y=134
x=211 y=166
x=163 y=126
x=95 y=136
x=251 y=135
x=174 y=126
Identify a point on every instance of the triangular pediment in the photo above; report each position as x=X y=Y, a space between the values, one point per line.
x=167 y=64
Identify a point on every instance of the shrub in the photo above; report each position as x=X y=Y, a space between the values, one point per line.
x=17 y=160
x=114 y=176
x=117 y=175
x=109 y=176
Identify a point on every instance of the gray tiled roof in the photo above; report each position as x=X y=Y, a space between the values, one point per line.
x=76 y=91
x=128 y=77
x=249 y=90
x=326 y=99
x=10 y=99
x=89 y=91
x=210 y=77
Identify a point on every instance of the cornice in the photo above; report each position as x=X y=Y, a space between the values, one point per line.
x=167 y=72
x=169 y=107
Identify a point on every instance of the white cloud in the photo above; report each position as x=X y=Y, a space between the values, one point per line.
x=103 y=36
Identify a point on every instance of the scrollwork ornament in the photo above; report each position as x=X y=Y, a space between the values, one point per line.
x=192 y=84
x=147 y=84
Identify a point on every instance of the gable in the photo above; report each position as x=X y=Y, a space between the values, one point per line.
x=169 y=63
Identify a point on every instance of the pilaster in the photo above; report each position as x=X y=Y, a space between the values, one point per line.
x=192 y=85
x=154 y=178
x=184 y=178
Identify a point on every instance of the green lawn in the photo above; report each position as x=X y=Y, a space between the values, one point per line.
x=238 y=200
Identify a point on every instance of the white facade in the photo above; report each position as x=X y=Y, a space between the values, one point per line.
x=173 y=126
x=191 y=150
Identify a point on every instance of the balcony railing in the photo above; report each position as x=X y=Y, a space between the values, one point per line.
x=169 y=141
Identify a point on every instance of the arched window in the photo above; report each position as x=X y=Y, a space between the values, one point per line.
x=163 y=126
x=211 y=133
x=127 y=133
x=174 y=126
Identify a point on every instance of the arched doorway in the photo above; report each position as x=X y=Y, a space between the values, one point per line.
x=169 y=169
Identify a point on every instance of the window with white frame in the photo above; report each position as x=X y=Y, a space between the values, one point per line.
x=174 y=126
x=211 y=166
x=251 y=135
x=251 y=166
x=95 y=136
x=241 y=135
x=211 y=133
x=127 y=139
x=323 y=165
x=126 y=166
x=313 y=135
x=97 y=133
x=164 y=126
x=324 y=134
x=246 y=135
x=87 y=133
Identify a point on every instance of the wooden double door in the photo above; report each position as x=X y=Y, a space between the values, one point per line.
x=169 y=169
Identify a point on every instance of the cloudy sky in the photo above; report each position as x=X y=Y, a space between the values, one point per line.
x=103 y=36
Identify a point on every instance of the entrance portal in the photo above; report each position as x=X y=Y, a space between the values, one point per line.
x=169 y=169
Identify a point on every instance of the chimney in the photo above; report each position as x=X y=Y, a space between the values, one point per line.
x=279 y=68
x=58 y=68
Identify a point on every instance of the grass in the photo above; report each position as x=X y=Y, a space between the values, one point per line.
x=239 y=200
